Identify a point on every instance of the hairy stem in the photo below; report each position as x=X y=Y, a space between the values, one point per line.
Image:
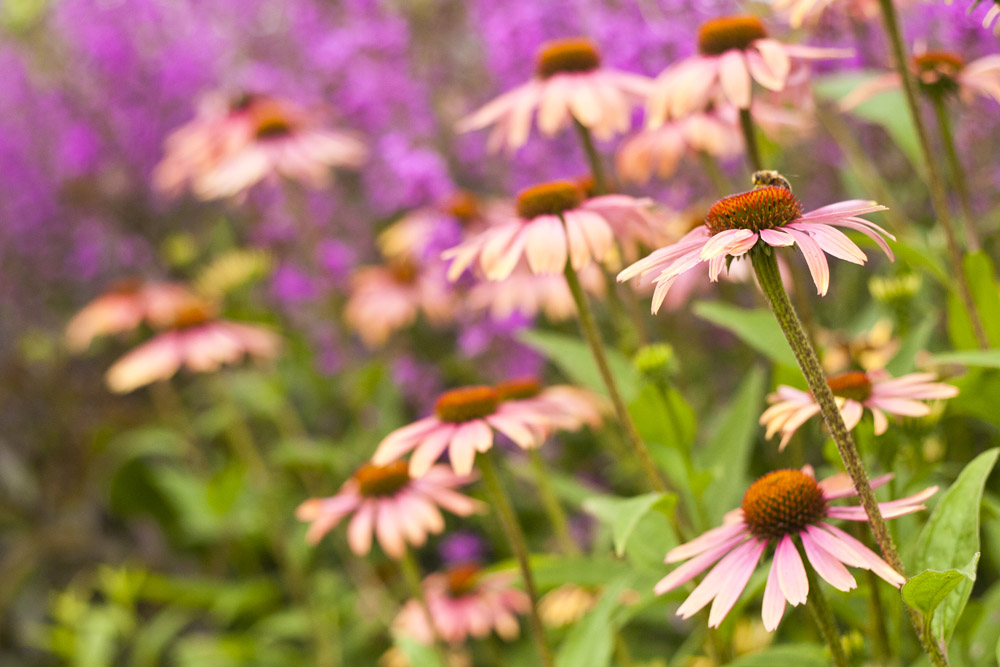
x=957 y=174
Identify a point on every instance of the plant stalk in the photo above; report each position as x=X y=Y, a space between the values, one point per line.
x=750 y=137
x=819 y=609
x=553 y=508
x=957 y=174
x=593 y=158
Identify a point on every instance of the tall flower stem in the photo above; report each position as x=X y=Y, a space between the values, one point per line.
x=593 y=158
x=411 y=574
x=508 y=520
x=766 y=267
x=819 y=609
x=750 y=138
x=714 y=173
x=957 y=173
x=939 y=198
x=553 y=508
x=593 y=336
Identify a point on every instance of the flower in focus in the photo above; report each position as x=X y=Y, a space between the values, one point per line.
x=732 y=50
x=773 y=216
x=387 y=298
x=569 y=408
x=464 y=603
x=399 y=509
x=780 y=509
x=463 y=423
x=555 y=221
x=569 y=84
x=855 y=391
x=938 y=73
x=196 y=339
x=527 y=294
x=872 y=349
x=124 y=307
x=225 y=151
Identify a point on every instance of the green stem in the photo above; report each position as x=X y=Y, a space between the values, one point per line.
x=750 y=138
x=593 y=337
x=596 y=167
x=766 y=267
x=411 y=574
x=508 y=521
x=715 y=174
x=168 y=404
x=939 y=198
x=957 y=174
x=240 y=437
x=819 y=609
x=553 y=508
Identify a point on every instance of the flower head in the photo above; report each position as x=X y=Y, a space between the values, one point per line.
x=464 y=603
x=418 y=230
x=196 y=339
x=801 y=11
x=855 y=391
x=732 y=50
x=782 y=509
x=554 y=221
x=528 y=294
x=569 y=84
x=569 y=408
x=768 y=216
x=399 y=509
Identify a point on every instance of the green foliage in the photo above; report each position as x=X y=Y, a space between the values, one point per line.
x=757 y=328
x=573 y=358
x=929 y=589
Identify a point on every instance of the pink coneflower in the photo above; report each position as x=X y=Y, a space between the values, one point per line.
x=569 y=408
x=569 y=84
x=464 y=603
x=127 y=305
x=528 y=294
x=732 y=50
x=463 y=423
x=385 y=500
x=412 y=234
x=196 y=340
x=387 y=298
x=258 y=137
x=780 y=509
x=992 y=18
x=773 y=216
x=800 y=11
x=938 y=73
x=855 y=391
x=555 y=221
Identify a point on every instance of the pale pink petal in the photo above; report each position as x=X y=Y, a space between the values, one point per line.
x=359 y=530
x=735 y=583
x=815 y=260
x=468 y=439
x=692 y=568
x=774 y=601
x=826 y=565
x=833 y=241
x=776 y=237
x=841 y=486
x=712 y=584
x=403 y=440
x=430 y=449
x=791 y=573
x=851 y=412
x=387 y=529
x=901 y=406
x=734 y=78
x=776 y=58
x=704 y=542
x=721 y=243
x=872 y=560
x=545 y=245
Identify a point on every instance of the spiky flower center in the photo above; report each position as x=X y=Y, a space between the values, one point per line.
x=729 y=32
x=464 y=206
x=381 y=481
x=465 y=404
x=520 y=388
x=270 y=120
x=761 y=208
x=462 y=579
x=575 y=54
x=854 y=385
x=937 y=71
x=782 y=503
x=548 y=199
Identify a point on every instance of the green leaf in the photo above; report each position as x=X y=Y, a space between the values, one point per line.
x=951 y=537
x=913 y=343
x=419 y=654
x=755 y=327
x=590 y=643
x=664 y=419
x=928 y=589
x=982 y=358
x=573 y=358
x=979 y=273
x=727 y=455
x=800 y=655
x=623 y=514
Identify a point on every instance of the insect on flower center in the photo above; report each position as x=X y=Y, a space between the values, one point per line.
x=782 y=503
x=380 y=481
x=575 y=54
x=729 y=32
x=761 y=208
x=464 y=206
x=937 y=71
x=466 y=404
x=548 y=199
x=852 y=384
x=519 y=388
x=462 y=579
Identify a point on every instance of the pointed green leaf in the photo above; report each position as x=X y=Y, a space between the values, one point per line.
x=590 y=642
x=755 y=327
x=573 y=358
x=623 y=514
x=981 y=358
x=928 y=589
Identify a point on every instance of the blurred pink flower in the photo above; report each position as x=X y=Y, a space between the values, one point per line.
x=568 y=407
x=555 y=221
x=771 y=215
x=387 y=298
x=528 y=294
x=196 y=340
x=464 y=423
x=802 y=11
x=124 y=307
x=464 y=603
x=732 y=50
x=569 y=85
x=778 y=507
x=855 y=391
x=414 y=232
x=385 y=499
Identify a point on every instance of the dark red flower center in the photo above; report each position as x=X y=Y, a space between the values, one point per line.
x=466 y=404
x=575 y=54
x=193 y=313
x=729 y=32
x=782 y=503
x=852 y=384
x=462 y=579
x=548 y=199
x=403 y=270
x=761 y=208
x=464 y=206
x=937 y=71
x=380 y=481
x=519 y=388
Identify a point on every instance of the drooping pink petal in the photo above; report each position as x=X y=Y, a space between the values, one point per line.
x=826 y=565
x=735 y=583
x=815 y=259
x=791 y=573
x=774 y=601
x=734 y=78
x=712 y=584
x=359 y=530
x=841 y=486
x=692 y=568
x=872 y=560
x=430 y=449
x=704 y=542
